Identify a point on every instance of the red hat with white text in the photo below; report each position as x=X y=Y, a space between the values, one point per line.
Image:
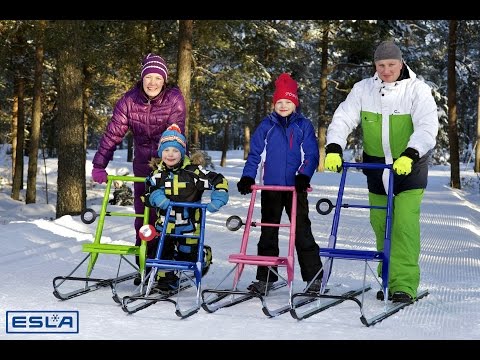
x=286 y=88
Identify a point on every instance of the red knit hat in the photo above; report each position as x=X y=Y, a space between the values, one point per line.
x=285 y=88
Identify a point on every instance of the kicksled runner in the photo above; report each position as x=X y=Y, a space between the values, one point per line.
x=323 y=300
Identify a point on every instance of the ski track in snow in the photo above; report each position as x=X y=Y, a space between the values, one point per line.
x=449 y=260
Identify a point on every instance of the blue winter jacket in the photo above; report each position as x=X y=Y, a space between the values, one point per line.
x=283 y=145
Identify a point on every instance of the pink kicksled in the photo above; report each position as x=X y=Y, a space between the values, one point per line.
x=233 y=296
x=242 y=258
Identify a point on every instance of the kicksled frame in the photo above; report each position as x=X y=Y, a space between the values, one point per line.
x=190 y=271
x=96 y=248
x=224 y=298
x=326 y=301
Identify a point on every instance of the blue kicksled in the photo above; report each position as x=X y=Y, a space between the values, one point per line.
x=190 y=273
x=332 y=252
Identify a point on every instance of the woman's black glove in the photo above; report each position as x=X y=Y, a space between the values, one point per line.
x=244 y=185
x=302 y=183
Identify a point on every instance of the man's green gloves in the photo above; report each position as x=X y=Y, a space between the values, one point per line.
x=403 y=165
x=333 y=159
x=333 y=162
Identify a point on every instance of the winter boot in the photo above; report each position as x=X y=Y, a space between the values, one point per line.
x=167 y=282
x=207 y=259
x=381 y=297
x=260 y=287
x=315 y=286
x=401 y=297
x=138 y=279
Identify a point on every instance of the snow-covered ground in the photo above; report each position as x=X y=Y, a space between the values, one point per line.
x=36 y=247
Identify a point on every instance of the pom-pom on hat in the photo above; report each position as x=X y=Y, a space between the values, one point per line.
x=172 y=137
x=387 y=50
x=154 y=64
x=285 y=88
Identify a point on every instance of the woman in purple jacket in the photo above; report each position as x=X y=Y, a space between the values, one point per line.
x=146 y=110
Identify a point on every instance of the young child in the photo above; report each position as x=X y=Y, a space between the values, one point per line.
x=176 y=178
x=284 y=134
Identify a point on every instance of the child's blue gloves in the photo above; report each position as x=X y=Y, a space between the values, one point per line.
x=217 y=200
x=159 y=200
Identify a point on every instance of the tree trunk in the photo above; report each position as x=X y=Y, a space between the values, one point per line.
x=322 y=106
x=196 y=134
x=476 y=148
x=223 y=161
x=36 y=116
x=18 y=164
x=87 y=91
x=14 y=129
x=452 y=107
x=246 y=148
x=184 y=65
x=248 y=126
x=18 y=59
x=71 y=155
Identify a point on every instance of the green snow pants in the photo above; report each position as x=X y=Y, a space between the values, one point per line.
x=404 y=274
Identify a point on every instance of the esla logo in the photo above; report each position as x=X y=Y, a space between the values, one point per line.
x=42 y=322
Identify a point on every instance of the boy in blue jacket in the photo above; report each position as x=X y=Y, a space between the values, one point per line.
x=284 y=135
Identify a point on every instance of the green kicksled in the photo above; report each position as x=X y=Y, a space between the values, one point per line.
x=94 y=249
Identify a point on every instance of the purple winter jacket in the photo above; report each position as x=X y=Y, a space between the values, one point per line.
x=147 y=119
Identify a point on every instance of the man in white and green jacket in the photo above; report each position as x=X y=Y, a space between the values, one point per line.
x=399 y=121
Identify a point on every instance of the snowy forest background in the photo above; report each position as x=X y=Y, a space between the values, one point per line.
x=59 y=81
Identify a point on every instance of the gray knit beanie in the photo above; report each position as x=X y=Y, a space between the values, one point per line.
x=387 y=50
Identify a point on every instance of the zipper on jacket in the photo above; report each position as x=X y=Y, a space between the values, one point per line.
x=149 y=105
